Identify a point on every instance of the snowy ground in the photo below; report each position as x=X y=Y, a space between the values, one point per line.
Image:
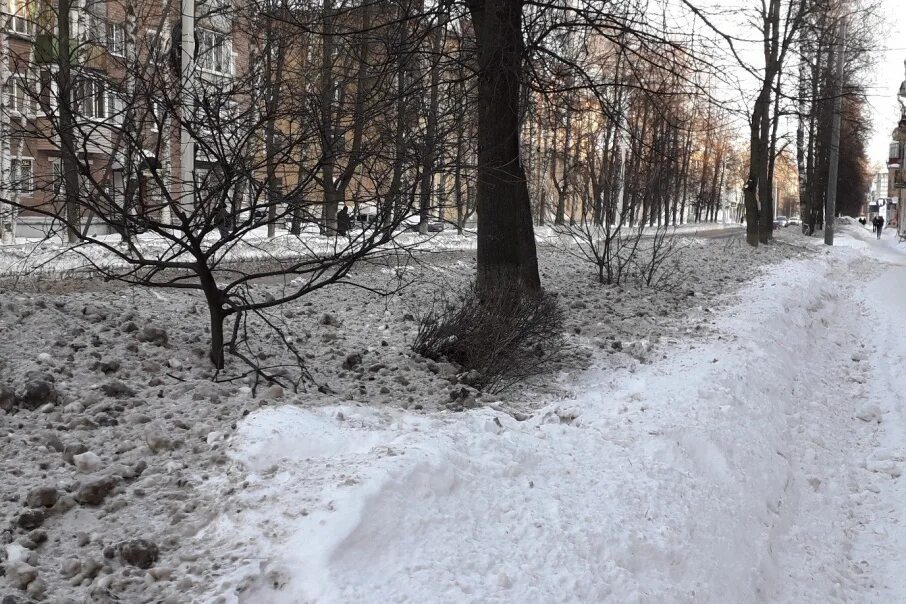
x=736 y=439
x=53 y=256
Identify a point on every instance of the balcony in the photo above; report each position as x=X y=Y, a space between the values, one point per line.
x=18 y=25
x=94 y=55
x=46 y=48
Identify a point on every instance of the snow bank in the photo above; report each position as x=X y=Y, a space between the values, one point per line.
x=681 y=481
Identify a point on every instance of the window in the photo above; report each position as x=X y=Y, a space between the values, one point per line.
x=894 y=150
x=95 y=30
x=21 y=175
x=56 y=175
x=214 y=52
x=49 y=92
x=201 y=122
x=156 y=115
x=157 y=45
x=19 y=99
x=95 y=99
x=18 y=17
x=116 y=39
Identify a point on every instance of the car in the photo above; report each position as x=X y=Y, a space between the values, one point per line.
x=780 y=222
x=412 y=224
x=793 y=222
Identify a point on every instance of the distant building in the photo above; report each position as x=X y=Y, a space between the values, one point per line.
x=881 y=186
x=896 y=167
x=105 y=43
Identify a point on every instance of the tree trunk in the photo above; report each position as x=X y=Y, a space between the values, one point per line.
x=69 y=162
x=429 y=157
x=507 y=257
x=803 y=110
x=274 y=78
x=457 y=178
x=214 y=299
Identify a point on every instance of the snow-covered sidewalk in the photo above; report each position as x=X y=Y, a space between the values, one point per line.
x=761 y=466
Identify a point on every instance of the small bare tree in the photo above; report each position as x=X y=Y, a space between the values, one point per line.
x=133 y=220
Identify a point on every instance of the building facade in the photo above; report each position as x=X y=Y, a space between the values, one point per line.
x=122 y=74
x=896 y=167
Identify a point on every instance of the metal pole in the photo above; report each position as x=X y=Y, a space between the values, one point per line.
x=186 y=145
x=830 y=206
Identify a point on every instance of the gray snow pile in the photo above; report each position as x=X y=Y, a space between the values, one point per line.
x=114 y=431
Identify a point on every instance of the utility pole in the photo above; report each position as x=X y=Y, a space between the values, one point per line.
x=186 y=145
x=830 y=206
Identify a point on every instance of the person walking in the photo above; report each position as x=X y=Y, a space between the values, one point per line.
x=343 y=221
x=222 y=220
x=880 y=225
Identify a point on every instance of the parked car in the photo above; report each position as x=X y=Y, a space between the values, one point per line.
x=793 y=222
x=780 y=222
x=412 y=223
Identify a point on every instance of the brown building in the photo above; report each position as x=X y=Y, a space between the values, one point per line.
x=124 y=72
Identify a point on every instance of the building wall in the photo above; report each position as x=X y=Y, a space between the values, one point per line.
x=100 y=34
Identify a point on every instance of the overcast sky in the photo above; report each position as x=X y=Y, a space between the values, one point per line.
x=890 y=72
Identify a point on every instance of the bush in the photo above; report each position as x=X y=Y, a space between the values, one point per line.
x=499 y=337
x=639 y=254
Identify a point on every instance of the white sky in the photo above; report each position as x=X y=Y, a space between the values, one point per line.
x=889 y=73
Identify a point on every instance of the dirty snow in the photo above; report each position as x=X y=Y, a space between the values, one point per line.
x=686 y=449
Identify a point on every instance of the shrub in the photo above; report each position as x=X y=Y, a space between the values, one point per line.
x=499 y=337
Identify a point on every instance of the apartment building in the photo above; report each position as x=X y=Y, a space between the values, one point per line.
x=124 y=70
x=896 y=167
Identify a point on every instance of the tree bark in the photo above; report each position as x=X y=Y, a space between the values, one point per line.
x=69 y=161
x=214 y=299
x=507 y=257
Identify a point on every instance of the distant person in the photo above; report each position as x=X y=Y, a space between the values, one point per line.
x=880 y=225
x=222 y=220
x=343 y=221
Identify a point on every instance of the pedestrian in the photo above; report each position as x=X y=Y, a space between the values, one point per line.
x=343 y=221
x=222 y=220
x=880 y=225
x=874 y=224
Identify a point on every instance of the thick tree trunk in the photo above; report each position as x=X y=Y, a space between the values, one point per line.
x=506 y=243
x=758 y=165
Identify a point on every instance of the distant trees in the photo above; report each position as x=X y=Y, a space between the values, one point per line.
x=799 y=43
x=819 y=46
